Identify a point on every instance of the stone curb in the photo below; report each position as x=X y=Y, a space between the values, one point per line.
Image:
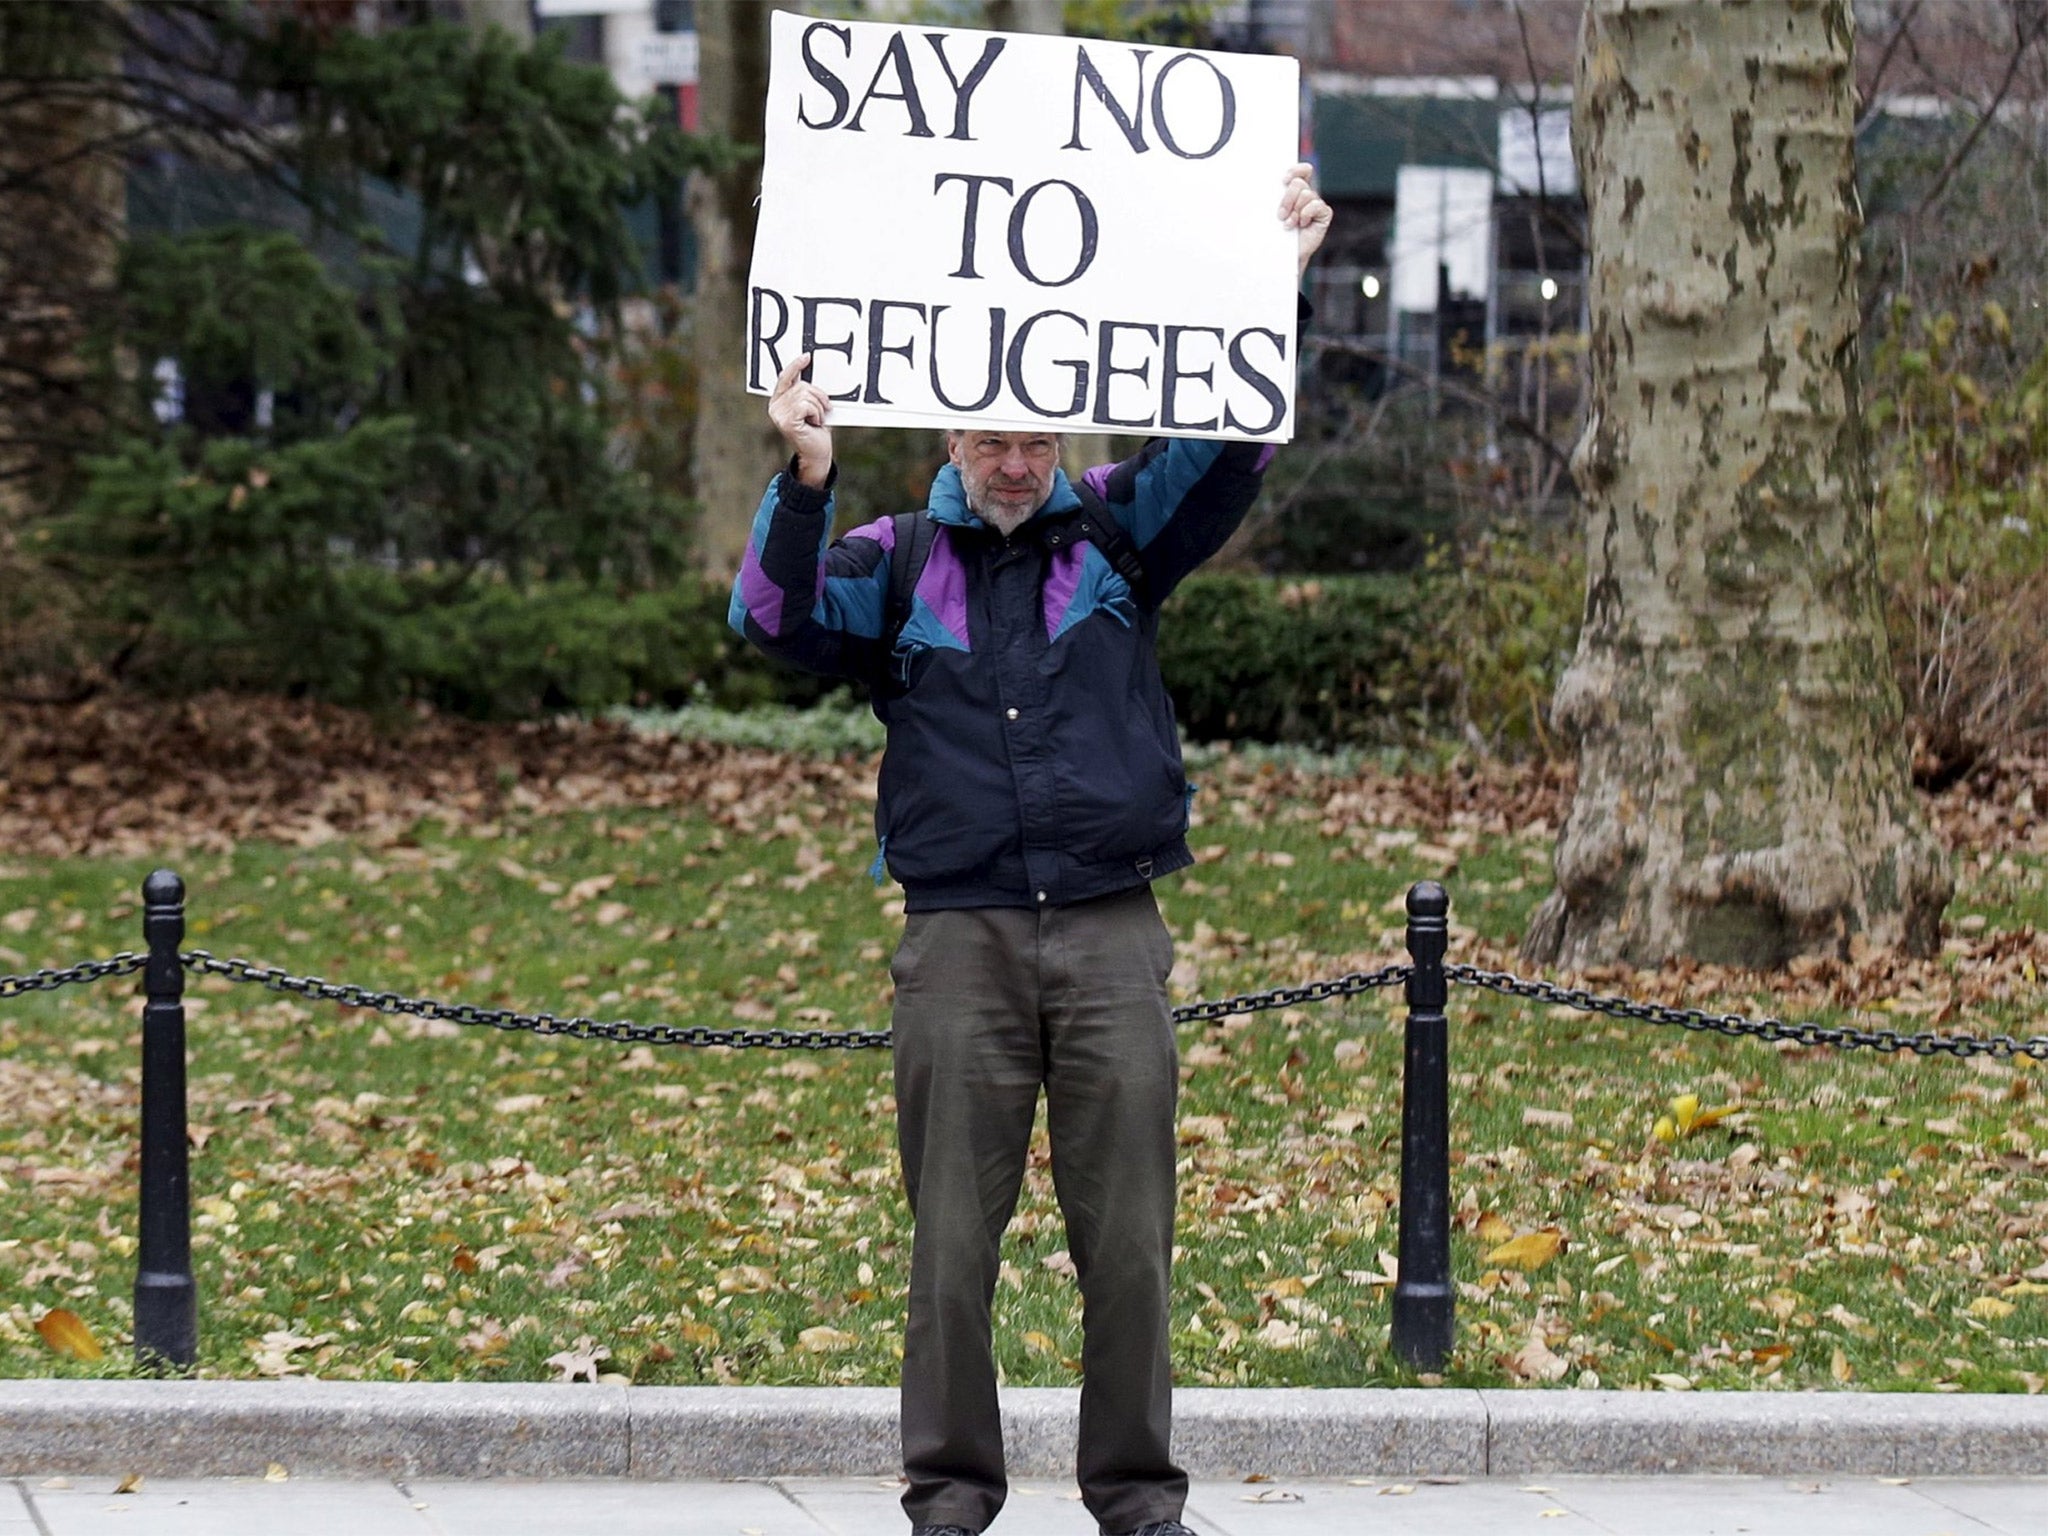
x=461 y=1430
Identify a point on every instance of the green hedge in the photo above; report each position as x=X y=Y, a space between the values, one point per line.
x=1329 y=661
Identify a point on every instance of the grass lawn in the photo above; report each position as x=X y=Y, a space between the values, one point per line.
x=385 y=1199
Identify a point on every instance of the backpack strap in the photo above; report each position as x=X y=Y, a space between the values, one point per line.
x=1098 y=526
x=907 y=557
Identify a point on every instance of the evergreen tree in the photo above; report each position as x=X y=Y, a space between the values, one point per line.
x=318 y=430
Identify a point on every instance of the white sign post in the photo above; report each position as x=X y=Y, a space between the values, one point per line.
x=1026 y=232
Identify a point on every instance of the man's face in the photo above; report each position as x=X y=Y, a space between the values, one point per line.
x=1007 y=475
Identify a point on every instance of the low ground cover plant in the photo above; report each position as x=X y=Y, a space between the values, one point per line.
x=382 y=1198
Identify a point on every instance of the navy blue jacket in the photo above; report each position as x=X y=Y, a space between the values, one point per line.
x=1032 y=757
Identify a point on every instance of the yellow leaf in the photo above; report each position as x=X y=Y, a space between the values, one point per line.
x=276 y=1473
x=1494 y=1229
x=1840 y=1368
x=1687 y=1117
x=65 y=1332
x=1039 y=1343
x=703 y=1334
x=132 y=1483
x=1990 y=1307
x=1685 y=1109
x=822 y=1340
x=2026 y=1288
x=1532 y=1250
x=1288 y=1285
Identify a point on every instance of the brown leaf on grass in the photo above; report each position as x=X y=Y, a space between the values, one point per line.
x=580 y=1361
x=822 y=1340
x=1534 y=1361
x=65 y=1332
x=1530 y=1251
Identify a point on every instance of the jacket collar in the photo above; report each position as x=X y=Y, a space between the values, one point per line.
x=949 y=500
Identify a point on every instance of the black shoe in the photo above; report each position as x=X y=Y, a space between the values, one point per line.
x=1161 y=1528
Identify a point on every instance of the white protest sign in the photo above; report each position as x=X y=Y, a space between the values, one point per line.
x=1027 y=232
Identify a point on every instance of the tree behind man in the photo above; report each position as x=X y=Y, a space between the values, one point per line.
x=1743 y=789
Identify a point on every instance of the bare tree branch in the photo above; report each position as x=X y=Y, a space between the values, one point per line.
x=1514 y=421
x=1868 y=114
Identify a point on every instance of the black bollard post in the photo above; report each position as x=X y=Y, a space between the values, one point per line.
x=166 y=1302
x=1423 y=1299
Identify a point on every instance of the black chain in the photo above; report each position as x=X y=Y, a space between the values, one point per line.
x=1840 y=1037
x=621 y=1031
x=626 y=1032
x=1286 y=997
x=84 y=973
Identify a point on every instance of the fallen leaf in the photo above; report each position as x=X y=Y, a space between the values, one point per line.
x=822 y=1340
x=132 y=1483
x=1990 y=1308
x=65 y=1332
x=1530 y=1251
x=276 y=1473
x=1840 y=1368
x=1534 y=1361
x=1493 y=1229
x=579 y=1360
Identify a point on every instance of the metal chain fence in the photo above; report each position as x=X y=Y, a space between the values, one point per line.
x=1841 y=1037
x=1768 y=1029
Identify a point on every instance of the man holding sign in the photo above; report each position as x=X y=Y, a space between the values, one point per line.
x=1032 y=785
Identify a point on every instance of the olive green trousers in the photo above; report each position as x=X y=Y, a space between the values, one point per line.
x=992 y=1004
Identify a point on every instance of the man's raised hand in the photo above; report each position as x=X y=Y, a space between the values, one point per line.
x=798 y=410
x=1302 y=209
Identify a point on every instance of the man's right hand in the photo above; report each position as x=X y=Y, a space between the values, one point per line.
x=798 y=411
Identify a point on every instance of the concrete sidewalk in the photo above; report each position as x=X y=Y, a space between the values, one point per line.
x=661 y=1434
x=1669 y=1506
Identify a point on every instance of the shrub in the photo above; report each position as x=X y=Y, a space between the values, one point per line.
x=1962 y=531
x=1328 y=661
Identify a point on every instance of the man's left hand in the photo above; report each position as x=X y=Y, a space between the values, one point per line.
x=1302 y=209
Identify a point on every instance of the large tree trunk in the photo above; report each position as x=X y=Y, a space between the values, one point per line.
x=1743 y=791
x=62 y=206
x=736 y=449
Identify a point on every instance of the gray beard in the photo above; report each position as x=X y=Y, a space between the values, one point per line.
x=1003 y=521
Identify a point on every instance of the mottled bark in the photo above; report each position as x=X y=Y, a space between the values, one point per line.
x=62 y=206
x=736 y=449
x=1743 y=791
